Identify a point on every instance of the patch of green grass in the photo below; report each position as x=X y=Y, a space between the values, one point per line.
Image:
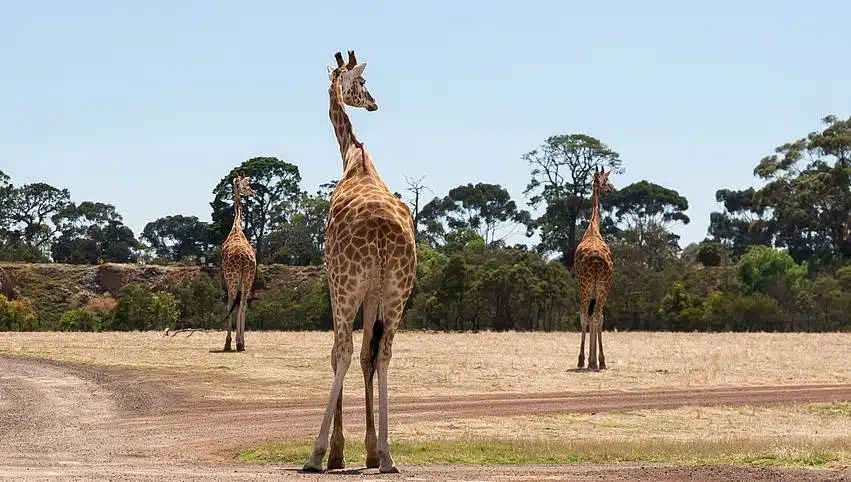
x=842 y=409
x=502 y=452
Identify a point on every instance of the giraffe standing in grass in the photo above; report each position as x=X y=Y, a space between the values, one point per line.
x=370 y=254
x=594 y=268
x=239 y=265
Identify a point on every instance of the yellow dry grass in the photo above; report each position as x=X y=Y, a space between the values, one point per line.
x=296 y=364
x=821 y=423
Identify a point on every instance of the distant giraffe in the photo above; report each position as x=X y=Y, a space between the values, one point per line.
x=594 y=268
x=371 y=258
x=239 y=265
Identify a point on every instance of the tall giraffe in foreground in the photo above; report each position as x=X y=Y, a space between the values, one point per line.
x=239 y=265
x=594 y=268
x=370 y=254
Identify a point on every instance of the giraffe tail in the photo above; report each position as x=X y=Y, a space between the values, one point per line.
x=591 y=306
x=234 y=304
x=375 y=342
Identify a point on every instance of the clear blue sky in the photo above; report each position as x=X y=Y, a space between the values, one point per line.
x=146 y=105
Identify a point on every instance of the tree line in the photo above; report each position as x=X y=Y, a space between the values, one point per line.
x=776 y=257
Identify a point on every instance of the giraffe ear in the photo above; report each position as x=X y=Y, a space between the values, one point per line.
x=357 y=70
x=330 y=73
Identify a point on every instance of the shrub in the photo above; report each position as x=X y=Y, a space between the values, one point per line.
x=710 y=253
x=286 y=309
x=81 y=320
x=741 y=312
x=17 y=315
x=200 y=303
x=162 y=310
x=140 y=309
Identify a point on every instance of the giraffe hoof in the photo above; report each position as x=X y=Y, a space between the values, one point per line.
x=387 y=466
x=226 y=348
x=581 y=363
x=312 y=466
x=602 y=365
x=240 y=347
x=336 y=463
x=372 y=463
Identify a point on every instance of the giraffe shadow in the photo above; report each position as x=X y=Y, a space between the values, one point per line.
x=582 y=370
x=352 y=471
x=219 y=350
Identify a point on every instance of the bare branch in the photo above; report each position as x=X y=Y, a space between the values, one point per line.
x=191 y=331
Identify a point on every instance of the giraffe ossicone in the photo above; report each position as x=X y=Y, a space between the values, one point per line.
x=371 y=259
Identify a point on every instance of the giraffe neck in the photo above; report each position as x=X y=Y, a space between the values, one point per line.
x=237 y=212
x=340 y=119
x=594 y=225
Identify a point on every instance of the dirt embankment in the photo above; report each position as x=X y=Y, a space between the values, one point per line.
x=56 y=288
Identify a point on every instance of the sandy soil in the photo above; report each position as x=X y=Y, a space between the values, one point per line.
x=63 y=421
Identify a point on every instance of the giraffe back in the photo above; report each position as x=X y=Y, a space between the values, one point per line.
x=370 y=243
x=593 y=263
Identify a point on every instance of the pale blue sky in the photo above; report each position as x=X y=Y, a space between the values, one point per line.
x=146 y=105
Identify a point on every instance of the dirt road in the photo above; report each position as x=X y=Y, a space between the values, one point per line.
x=61 y=421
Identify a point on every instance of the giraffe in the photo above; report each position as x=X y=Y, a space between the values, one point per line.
x=370 y=255
x=239 y=265
x=594 y=268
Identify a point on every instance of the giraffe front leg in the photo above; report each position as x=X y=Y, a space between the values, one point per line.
x=342 y=352
x=344 y=359
x=584 y=322
x=336 y=460
x=227 y=341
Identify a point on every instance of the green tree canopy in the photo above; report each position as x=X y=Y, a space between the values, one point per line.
x=178 y=237
x=32 y=214
x=485 y=208
x=561 y=176
x=276 y=183
x=92 y=232
x=808 y=194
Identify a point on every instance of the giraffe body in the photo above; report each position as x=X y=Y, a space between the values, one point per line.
x=370 y=255
x=594 y=270
x=239 y=266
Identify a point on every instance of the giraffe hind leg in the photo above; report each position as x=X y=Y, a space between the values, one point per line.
x=585 y=300
x=228 y=321
x=240 y=323
x=598 y=325
x=592 y=338
x=373 y=330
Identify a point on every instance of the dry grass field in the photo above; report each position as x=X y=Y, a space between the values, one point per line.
x=486 y=398
x=296 y=364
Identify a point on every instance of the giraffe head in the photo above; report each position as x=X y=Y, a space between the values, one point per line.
x=601 y=181
x=355 y=92
x=242 y=185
